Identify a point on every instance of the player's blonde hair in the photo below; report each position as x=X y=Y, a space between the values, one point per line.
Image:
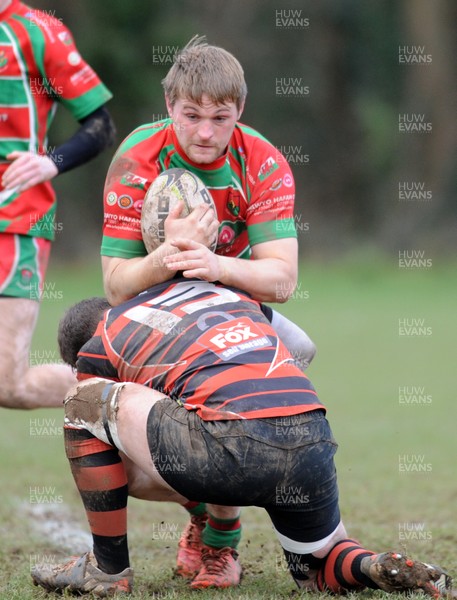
x=200 y=68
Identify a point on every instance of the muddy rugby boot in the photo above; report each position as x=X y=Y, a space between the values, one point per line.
x=394 y=572
x=81 y=575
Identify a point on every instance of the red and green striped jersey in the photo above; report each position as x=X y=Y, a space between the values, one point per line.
x=206 y=346
x=251 y=185
x=39 y=66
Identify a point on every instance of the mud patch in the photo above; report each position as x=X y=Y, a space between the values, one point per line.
x=56 y=524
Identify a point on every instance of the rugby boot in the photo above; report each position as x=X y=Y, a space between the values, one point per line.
x=81 y=575
x=220 y=569
x=189 y=557
x=395 y=572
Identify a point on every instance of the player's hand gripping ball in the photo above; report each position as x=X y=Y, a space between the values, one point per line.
x=165 y=191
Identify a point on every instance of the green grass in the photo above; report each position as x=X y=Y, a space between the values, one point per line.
x=352 y=312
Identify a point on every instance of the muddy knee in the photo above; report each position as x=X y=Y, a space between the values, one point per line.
x=93 y=404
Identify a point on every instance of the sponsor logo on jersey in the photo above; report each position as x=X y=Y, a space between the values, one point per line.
x=267 y=168
x=234 y=202
x=138 y=206
x=134 y=181
x=83 y=76
x=250 y=177
x=226 y=236
x=74 y=58
x=125 y=201
x=233 y=338
x=26 y=275
x=111 y=198
x=276 y=185
x=288 y=180
x=65 y=38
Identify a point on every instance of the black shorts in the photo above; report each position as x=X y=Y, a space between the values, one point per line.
x=283 y=464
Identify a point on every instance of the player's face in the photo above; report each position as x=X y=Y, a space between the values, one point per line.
x=203 y=130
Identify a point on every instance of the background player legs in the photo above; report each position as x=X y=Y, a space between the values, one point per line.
x=23 y=386
x=221 y=529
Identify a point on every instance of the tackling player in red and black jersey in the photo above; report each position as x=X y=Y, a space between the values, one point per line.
x=236 y=423
x=185 y=339
x=211 y=350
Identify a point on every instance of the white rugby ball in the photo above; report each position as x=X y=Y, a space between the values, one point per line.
x=165 y=191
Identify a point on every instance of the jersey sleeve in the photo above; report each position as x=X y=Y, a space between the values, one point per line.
x=129 y=177
x=67 y=75
x=270 y=214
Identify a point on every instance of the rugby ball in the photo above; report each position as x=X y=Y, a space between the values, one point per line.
x=162 y=196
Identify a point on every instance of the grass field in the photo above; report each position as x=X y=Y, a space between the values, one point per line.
x=384 y=368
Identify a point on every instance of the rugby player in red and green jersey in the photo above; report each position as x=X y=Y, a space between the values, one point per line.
x=40 y=67
x=249 y=180
x=253 y=190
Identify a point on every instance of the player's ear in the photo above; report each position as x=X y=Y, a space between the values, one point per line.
x=169 y=106
x=240 y=110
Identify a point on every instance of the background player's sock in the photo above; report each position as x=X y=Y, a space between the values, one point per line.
x=102 y=482
x=198 y=509
x=222 y=533
x=341 y=571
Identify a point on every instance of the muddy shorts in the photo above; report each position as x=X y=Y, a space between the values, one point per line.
x=23 y=263
x=283 y=464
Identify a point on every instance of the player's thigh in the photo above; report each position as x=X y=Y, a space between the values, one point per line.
x=18 y=318
x=134 y=406
x=145 y=487
x=305 y=511
x=23 y=262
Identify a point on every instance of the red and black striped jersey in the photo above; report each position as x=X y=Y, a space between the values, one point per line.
x=207 y=346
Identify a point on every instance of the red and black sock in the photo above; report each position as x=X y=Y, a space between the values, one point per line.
x=102 y=482
x=341 y=571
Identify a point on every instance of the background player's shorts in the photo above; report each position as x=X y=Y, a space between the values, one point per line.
x=283 y=464
x=23 y=263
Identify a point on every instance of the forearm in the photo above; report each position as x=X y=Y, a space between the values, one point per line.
x=96 y=133
x=266 y=279
x=125 y=278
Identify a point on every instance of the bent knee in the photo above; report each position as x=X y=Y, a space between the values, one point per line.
x=78 y=388
x=83 y=402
